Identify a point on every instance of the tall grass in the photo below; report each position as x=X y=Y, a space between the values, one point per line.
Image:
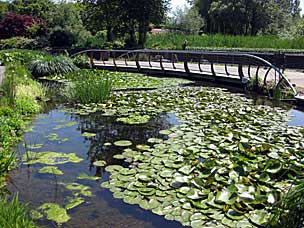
x=89 y=87
x=13 y=214
x=290 y=212
x=175 y=41
x=51 y=66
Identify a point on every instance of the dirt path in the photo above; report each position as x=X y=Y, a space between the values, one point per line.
x=296 y=77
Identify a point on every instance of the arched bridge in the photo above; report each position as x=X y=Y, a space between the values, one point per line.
x=238 y=69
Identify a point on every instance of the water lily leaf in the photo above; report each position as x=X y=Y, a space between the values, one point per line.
x=123 y=143
x=59 y=126
x=165 y=132
x=234 y=215
x=88 y=134
x=134 y=119
x=49 y=158
x=142 y=147
x=155 y=140
x=84 y=176
x=51 y=170
x=79 y=189
x=100 y=163
x=55 y=213
x=259 y=217
x=74 y=202
x=194 y=194
x=274 y=168
x=33 y=146
x=36 y=215
x=187 y=169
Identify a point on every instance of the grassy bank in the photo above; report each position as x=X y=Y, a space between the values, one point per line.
x=254 y=43
x=20 y=99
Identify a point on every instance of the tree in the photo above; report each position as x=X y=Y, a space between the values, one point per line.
x=187 y=20
x=36 y=8
x=21 y=25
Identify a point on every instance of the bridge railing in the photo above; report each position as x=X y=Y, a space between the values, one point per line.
x=213 y=65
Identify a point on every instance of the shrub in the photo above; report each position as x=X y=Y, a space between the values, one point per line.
x=21 y=25
x=89 y=86
x=62 y=38
x=13 y=214
x=82 y=61
x=51 y=66
x=20 y=56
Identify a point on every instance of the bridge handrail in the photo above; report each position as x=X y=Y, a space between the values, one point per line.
x=209 y=54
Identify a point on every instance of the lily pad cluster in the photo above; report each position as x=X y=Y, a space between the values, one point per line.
x=134 y=119
x=226 y=165
x=49 y=158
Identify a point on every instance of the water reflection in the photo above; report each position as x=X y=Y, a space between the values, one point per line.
x=101 y=210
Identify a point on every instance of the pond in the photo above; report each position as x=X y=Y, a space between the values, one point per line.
x=160 y=158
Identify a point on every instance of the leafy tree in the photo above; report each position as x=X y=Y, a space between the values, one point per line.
x=187 y=20
x=36 y=8
x=3 y=9
x=21 y=25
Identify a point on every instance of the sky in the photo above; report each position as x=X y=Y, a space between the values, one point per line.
x=180 y=3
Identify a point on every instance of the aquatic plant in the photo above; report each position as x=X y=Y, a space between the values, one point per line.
x=50 y=65
x=14 y=214
x=89 y=88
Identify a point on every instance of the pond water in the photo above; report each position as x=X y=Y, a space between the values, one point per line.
x=60 y=131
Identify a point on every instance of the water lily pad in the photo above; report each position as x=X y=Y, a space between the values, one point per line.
x=88 y=134
x=59 y=126
x=51 y=170
x=49 y=158
x=134 y=119
x=55 y=213
x=84 y=176
x=78 y=189
x=123 y=143
x=100 y=163
x=74 y=202
x=33 y=146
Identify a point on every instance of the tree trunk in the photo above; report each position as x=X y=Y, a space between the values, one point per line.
x=142 y=32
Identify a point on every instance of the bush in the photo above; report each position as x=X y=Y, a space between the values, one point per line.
x=82 y=61
x=20 y=56
x=89 y=86
x=14 y=214
x=62 y=38
x=51 y=66
x=21 y=25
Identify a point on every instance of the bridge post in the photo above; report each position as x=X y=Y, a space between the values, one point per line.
x=186 y=67
x=91 y=59
x=137 y=62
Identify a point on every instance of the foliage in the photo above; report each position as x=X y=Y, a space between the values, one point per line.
x=23 y=43
x=89 y=87
x=186 y=20
x=82 y=61
x=51 y=66
x=175 y=41
x=247 y=17
x=290 y=211
x=18 y=101
x=14 y=214
x=62 y=38
x=20 y=56
x=21 y=25
x=36 y=8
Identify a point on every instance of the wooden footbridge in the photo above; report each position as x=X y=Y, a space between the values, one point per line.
x=237 y=69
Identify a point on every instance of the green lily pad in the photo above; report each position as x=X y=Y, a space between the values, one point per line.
x=51 y=170
x=55 y=213
x=49 y=158
x=123 y=143
x=88 y=134
x=84 y=176
x=100 y=163
x=74 y=202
